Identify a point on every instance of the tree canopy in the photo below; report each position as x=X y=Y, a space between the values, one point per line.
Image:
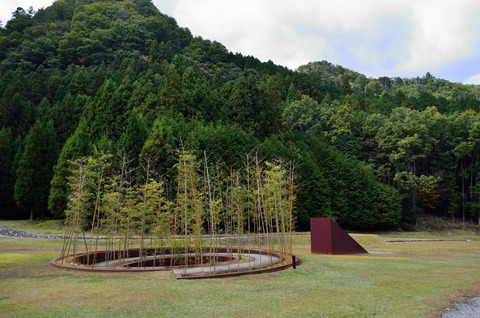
x=120 y=77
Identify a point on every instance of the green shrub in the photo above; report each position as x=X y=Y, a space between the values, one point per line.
x=407 y=227
x=50 y=223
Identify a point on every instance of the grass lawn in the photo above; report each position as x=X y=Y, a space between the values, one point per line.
x=416 y=279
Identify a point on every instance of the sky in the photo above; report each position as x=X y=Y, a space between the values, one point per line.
x=405 y=38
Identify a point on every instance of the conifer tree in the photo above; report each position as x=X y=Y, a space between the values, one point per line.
x=158 y=148
x=101 y=114
x=75 y=147
x=35 y=169
x=7 y=178
x=171 y=93
x=134 y=137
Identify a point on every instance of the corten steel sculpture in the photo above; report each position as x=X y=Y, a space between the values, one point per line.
x=327 y=237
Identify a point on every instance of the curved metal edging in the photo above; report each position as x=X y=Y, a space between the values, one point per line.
x=217 y=274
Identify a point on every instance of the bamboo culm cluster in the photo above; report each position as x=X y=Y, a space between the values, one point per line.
x=120 y=209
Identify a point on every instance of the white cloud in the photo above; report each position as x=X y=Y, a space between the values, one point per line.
x=9 y=6
x=440 y=35
x=398 y=37
x=374 y=37
x=473 y=80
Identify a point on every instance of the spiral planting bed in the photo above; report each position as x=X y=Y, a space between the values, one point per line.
x=211 y=263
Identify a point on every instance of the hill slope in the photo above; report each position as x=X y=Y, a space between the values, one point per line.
x=123 y=78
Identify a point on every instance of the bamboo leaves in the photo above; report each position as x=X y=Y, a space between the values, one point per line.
x=125 y=213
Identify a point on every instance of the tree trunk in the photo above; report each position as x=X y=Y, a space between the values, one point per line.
x=463 y=196
x=414 y=207
x=32 y=212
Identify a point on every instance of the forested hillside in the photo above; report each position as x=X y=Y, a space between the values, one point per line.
x=84 y=77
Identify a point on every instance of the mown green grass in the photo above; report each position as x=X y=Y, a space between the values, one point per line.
x=393 y=280
x=51 y=227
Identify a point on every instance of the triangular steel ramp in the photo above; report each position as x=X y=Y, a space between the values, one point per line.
x=327 y=237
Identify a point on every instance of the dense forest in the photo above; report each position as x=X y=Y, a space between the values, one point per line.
x=84 y=77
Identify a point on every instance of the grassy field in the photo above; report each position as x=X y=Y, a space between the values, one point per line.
x=416 y=279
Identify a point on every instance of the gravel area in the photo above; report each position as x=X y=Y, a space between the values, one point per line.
x=467 y=310
x=19 y=233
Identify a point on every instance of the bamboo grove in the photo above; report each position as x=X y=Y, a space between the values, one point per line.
x=118 y=210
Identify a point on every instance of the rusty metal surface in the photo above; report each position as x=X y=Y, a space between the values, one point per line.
x=327 y=237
